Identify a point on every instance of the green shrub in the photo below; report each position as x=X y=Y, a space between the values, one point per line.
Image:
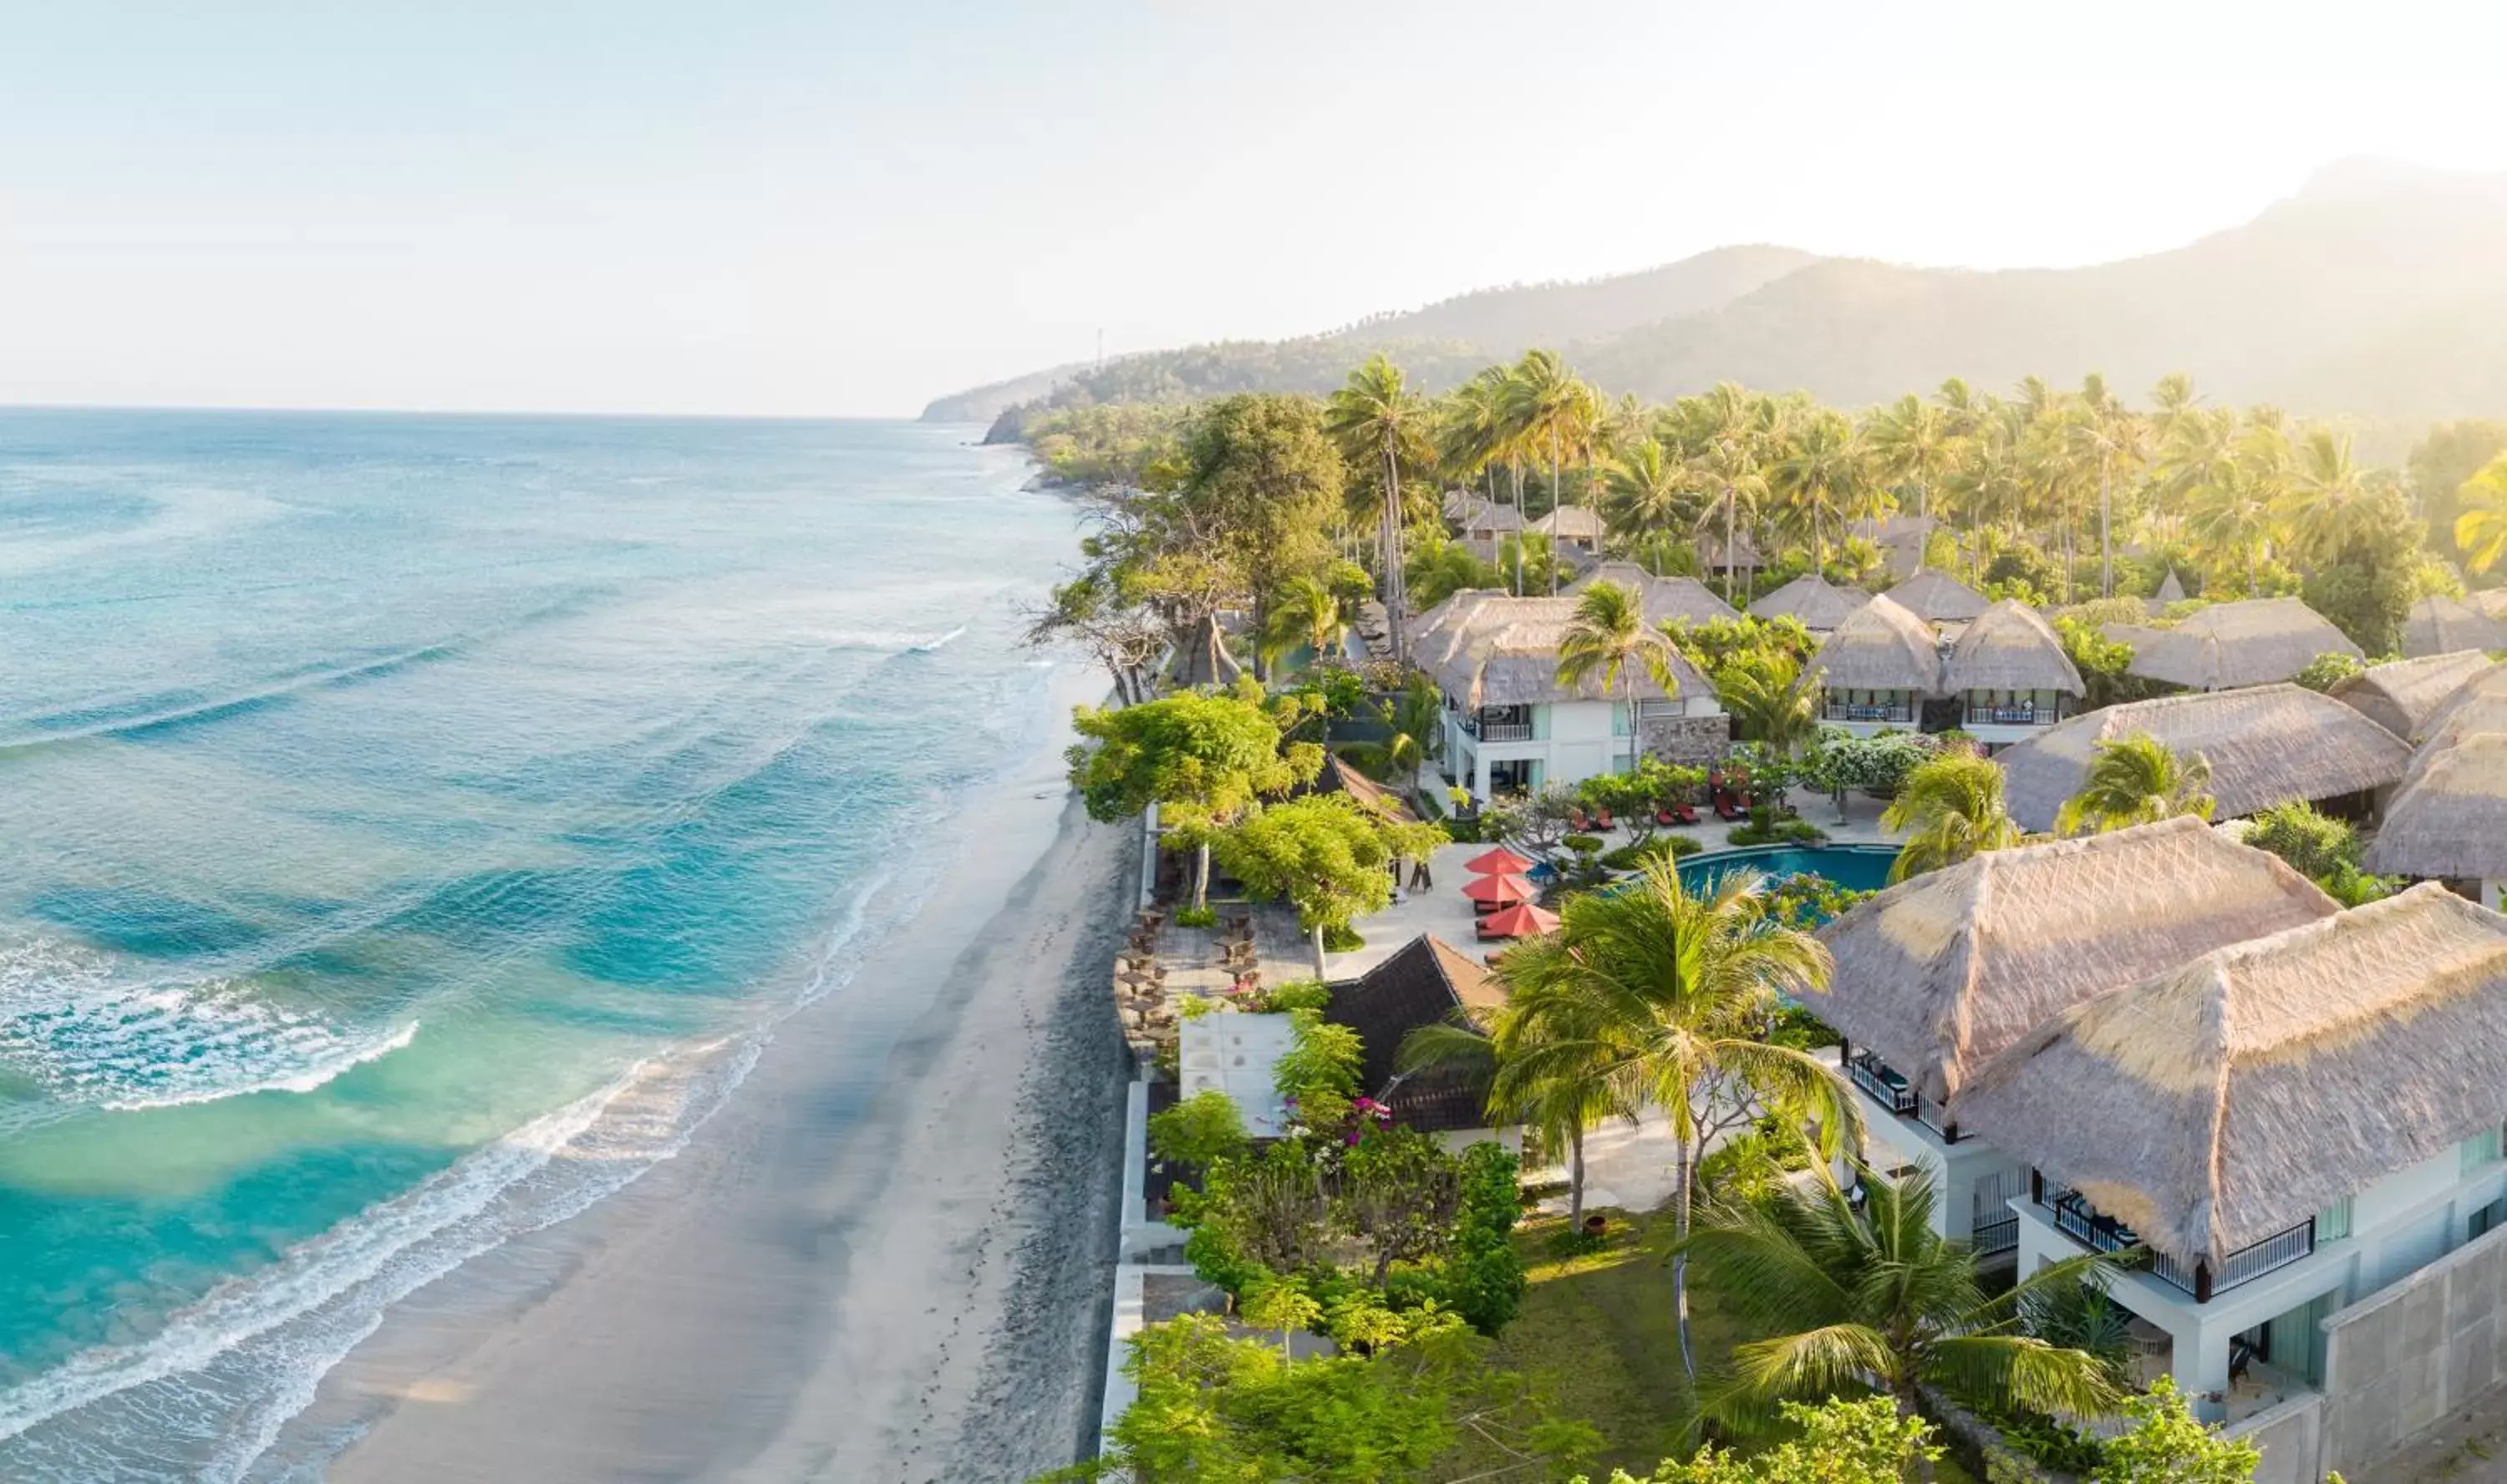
x=1664 y=848
x=2326 y=669
x=1775 y=831
x=1341 y=939
x=1483 y=1276
x=1798 y=1029
x=1199 y=1131
x=1196 y=917
x=1296 y=994
x=1583 y=845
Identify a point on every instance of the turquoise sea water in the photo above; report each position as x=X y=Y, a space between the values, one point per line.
x=403 y=819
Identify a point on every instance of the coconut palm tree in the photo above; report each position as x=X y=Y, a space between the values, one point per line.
x=1647 y=491
x=1770 y=698
x=1911 y=443
x=1725 y=434
x=1305 y=614
x=1953 y=808
x=1415 y=718
x=1373 y=415
x=1548 y=411
x=2331 y=500
x=1606 y=634
x=1854 y=1297
x=2136 y=780
x=1819 y=473
x=2233 y=515
x=2106 y=434
x=2480 y=530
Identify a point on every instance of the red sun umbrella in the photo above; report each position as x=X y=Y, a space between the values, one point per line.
x=1498 y=862
x=1520 y=921
x=1500 y=890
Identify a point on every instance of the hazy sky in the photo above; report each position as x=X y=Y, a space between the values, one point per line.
x=739 y=206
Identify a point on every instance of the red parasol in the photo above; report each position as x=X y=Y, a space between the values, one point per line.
x=1520 y=921
x=1500 y=890
x=1498 y=862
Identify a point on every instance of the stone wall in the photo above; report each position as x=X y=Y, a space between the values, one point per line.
x=1690 y=741
x=2399 y=1362
x=2291 y=1437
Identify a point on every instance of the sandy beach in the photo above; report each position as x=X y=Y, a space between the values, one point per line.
x=906 y=1288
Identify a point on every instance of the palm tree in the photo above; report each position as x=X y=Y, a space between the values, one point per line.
x=2330 y=500
x=1549 y=410
x=1953 y=807
x=1725 y=433
x=1854 y=1297
x=2480 y=530
x=2234 y=513
x=1606 y=635
x=1305 y=612
x=1373 y=415
x=1770 y=699
x=1439 y=571
x=1911 y=443
x=1648 y=492
x=1415 y=718
x=2136 y=780
x=1661 y=995
x=2109 y=436
x=1820 y=473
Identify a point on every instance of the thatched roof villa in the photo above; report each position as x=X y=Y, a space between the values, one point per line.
x=2402 y=695
x=1663 y=599
x=2438 y=625
x=1818 y=604
x=1877 y=666
x=2476 y=699
x=2171 y=590
x=2010 y=668
x=2227 y=645
x=2448 y=820
x=1716 y=555
x=2267 y=745
x=1571 y=525
x=1491 y=649
x=1427 y=982
x=1936 y=597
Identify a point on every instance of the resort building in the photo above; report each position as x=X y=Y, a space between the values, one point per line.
x=1512 y=727
x=2448 y=821
x=2286 y=1137
x=2402 y=695
x=1876 y=668
x=1936 y=975
x=2267 y=745
x=1427 y=982
x=2229 y=645
x=1810 y=599
x=1570 y=527
x=1484 y=524
x=2439 y=625
x=1663 y=599
x=1720 y=554
x=2011 y=675
x=1938 y=598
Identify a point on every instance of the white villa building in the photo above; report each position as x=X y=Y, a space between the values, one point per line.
x=1510 y=726
x=2011 y=675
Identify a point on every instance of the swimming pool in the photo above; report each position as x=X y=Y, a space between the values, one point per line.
x=1860 y=867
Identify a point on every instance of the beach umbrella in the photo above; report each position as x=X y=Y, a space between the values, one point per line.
x=1500 y=890
x=1520 y=921
x=1498 y=862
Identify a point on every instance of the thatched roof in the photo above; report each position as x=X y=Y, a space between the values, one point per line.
x=1711 y=551
x=1202 y=659
x=2449 y=817
x=2228 y=1099
x=2437 y=625
x=1812 y=599
x=2400 y=696
x=1939 y=973
x=1663 y=599
x=1424 y=983
x=2480 y=696
x=2009 y=648
x=1486 y=648
x=2231 y=644
x=2267 y=745
x=1340 y=775
x=1938 y=598
x=2171 y=591
x=1484 y=519
x=1880 y=646
x=1570 y=523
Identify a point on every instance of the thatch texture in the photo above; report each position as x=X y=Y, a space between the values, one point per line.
x=2231 y=1097
x=2267 y=745
x=1485 y=648
x=1938 y=974
x=1202 y=659
x=1936 y=597
x=2474 y=702
x=2448 y=819
x=2171 y=591
x=2231 y=644
x=1486 y=520
x=1743 y=555
x=2439 y=625
x=1880 y=646
x=1663 y=599
x=2009 y=648
x=1570 y=523
x=1817 y=603
x=2402 y=696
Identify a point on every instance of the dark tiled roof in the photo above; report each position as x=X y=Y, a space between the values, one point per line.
x=1421 y=984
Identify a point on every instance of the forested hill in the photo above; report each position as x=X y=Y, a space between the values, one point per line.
x=2374 y=291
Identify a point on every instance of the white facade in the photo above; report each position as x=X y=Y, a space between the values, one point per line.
x=1973 y=1181
x=1867 y=713
x=1495 y=750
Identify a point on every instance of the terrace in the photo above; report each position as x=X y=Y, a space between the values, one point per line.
x=2074 y=1216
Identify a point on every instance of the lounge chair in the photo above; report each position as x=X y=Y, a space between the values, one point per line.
x=1688 y=813
x=1724 y=809
x=1605 y=821
x=1577 y=821
x=1664 y=818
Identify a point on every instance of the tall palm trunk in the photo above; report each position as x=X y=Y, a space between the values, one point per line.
x=1521 y=531
x=1395 y=582
x=1683 y=1199
x=1201 y=877
x=1731 y=547
x=1317 y=938
x=1553 y=512
x=2106 y=553
x=1576 y=1176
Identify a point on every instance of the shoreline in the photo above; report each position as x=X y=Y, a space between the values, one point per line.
x=901 y=1280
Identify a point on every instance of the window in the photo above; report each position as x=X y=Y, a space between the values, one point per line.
x=2488 y=1218
x=2481 y=1149
x=2333 y=1222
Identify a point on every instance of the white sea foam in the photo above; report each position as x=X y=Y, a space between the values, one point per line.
x=95 y=1029
x=893 y=640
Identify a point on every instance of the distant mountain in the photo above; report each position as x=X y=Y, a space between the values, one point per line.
x=2375 y=291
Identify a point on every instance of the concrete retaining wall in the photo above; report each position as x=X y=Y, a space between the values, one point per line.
x=2291 y=1437
x=2397 y=1362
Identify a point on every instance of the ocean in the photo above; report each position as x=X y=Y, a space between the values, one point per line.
x=411 y=826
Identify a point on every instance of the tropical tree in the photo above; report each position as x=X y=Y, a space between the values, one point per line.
x=1548 y=411
x=1953 y=808
x=1852 y=1297
x=2108 y=437
x=2136 y=780
x=1305 y=614
x=1841 y=1441
x=1647 y=491
x=1205 y=759
x=1725 y=434
x=2331 y=501
x=1439 y=571
x=1608 y=635
x=1773 y=702
x=2480 y=530
x=1912 y=443
x=1415 y=718
x=1329 y=857
x=1819 y=473
x=1373 y=415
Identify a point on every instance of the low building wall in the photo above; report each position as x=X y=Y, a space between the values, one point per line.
x=2291 y=1437
x=2399 y=1362
x=1689 y=741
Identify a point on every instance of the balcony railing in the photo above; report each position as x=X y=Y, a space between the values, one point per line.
x=2000 y=1235
x=1838 y=711
x=1505 y=730
x=2011 y=717
x=2078 y=1219
x=1888 y=1089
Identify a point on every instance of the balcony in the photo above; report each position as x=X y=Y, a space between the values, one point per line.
x=1995 y=1237
x=2077 y=1218
x=1902 y=713
x=2012 y=716
x=1505 y=730
x=1888 y=1089
x=1499 y=724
